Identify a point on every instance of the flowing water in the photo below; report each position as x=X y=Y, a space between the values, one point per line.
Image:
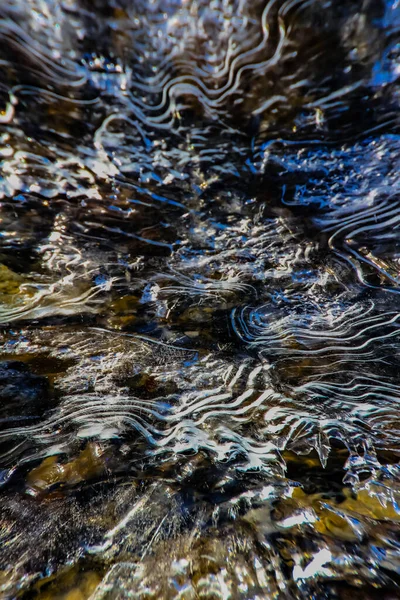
x=199 y=299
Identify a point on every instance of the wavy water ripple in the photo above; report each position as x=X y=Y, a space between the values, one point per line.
x=199 y=299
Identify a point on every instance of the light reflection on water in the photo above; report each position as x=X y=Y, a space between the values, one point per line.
x=199 y=287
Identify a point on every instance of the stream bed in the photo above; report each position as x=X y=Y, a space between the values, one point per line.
x=199 y=299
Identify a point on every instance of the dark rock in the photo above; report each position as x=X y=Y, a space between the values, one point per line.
x=22 y=393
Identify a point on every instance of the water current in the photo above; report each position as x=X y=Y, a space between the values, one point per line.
x=199 y=299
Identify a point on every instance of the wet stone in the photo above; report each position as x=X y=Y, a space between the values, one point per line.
x=22 y=393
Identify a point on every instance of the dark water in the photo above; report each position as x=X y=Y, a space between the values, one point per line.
x=199 y=299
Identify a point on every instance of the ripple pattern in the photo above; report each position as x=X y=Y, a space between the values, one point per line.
x=199 y=284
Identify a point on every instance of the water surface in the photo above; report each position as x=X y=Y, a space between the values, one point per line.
x=199 y=299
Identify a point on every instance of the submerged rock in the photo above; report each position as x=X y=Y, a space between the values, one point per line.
x=22 y=393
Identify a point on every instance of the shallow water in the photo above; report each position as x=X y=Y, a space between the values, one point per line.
x=199 y=299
